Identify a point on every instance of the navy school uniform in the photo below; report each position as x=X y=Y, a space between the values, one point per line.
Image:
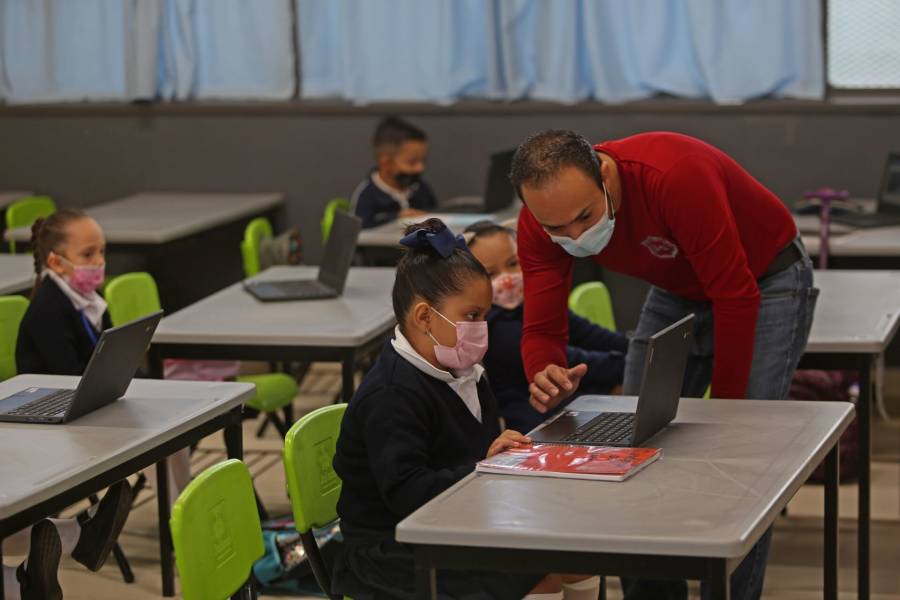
x=405 y=438
x=602 y=350
x=53 y=337
x=375 y=206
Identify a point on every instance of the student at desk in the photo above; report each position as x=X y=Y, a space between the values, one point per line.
x=423 y=416
x=603 y=351
x=394 y=188
x=57 y=336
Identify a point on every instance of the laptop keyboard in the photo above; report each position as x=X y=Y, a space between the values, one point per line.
x=605 y=428
x=53 y=405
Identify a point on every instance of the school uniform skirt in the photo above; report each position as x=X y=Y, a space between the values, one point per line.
x=372 y=565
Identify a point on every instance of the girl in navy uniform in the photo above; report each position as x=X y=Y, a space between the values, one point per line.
x=56 y=337
x=423 y=416
x=603 y=351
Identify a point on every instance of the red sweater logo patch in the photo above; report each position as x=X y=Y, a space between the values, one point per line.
x=660 y=247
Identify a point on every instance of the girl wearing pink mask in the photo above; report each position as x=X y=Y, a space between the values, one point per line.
x=420 y=420
x=601 y=350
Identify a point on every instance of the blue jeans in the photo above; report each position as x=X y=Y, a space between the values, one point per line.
x=782 y=329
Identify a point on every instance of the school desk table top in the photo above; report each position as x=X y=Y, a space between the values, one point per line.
x=16 y=273
x=160 y=217
x=727 y=469
x=49 y=467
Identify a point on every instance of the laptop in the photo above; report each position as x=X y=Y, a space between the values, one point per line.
x=498 y=190
x=887 y=207
x=333 y=271
x=664 y=364
x=112 y=366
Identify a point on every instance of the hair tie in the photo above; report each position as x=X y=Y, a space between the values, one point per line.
x=443 y=241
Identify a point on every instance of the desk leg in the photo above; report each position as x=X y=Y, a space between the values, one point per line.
x=830 y=564
x=347 y=376
x=426 y=578
x=719 y=580
x=2 y=595
x=864 y=411
x=234 y=437
x=165 y=535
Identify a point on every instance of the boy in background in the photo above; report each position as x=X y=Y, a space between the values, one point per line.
x=395 y=187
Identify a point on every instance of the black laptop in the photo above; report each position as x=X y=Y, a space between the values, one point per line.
x=887 y=207
x=333 y=271
x=664 y=364
x=115 y=360
x=499 y=191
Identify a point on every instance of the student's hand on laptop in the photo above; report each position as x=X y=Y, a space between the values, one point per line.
x=553 y=385
x=508 y=439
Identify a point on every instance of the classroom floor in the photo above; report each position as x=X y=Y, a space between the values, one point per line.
x=794 y=571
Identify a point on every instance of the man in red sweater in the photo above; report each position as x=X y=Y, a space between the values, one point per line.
x=712 y=240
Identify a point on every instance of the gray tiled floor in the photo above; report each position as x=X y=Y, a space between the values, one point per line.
x=794 y=571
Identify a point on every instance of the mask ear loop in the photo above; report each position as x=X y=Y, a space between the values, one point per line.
x=428 y=333
x=609 y=205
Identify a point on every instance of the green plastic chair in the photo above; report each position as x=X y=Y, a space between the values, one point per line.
x=334 y=205
x=312 y=484
x=134 y=295
x=216 y=533
x=257 y=230
x=25 y=211
x=12 y=309
x=591 y=301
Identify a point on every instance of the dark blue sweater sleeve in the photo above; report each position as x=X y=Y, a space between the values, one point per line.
x=587 y=336
x=373 y=210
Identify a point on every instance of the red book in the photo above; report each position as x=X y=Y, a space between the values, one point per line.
x=576 y=462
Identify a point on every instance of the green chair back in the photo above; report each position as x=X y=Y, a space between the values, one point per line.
x=216 y=532
x=591 y=301
x=337 y=204
x=25 y=211
x=12 y=309
x=131 y=296
x=257 y=230
x=313 y=485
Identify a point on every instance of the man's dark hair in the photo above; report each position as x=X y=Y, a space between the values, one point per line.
x=393 y=131
x=540 y=158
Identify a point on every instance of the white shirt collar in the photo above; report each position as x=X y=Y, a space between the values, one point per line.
x=92 y=306
x=401 y=196
x=464 y=383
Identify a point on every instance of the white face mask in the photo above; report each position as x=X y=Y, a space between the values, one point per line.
x=595 y=238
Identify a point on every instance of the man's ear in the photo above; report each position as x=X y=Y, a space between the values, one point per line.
x=420 y=317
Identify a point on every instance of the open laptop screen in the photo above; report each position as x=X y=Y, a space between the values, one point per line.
x=890 y=184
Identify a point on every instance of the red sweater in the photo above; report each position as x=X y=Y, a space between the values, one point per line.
x=690 y=221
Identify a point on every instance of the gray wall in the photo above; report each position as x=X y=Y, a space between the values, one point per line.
x=84 y=155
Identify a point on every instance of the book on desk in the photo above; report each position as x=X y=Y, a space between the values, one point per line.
x=570 y=461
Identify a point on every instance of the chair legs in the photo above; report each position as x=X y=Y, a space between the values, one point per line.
x=320 y=571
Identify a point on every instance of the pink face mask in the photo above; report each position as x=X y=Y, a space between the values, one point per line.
x=508 y=291
x=85 y=279
x=471 y=344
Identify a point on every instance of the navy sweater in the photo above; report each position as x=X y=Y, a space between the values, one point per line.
x=602 y=350
x=405 y=438
x=375 y=206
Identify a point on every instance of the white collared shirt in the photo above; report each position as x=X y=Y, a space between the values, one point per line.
x=92 y=306
x=401 y=196
x=464 y=383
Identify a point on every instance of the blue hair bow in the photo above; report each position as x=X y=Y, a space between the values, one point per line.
x=443 y=241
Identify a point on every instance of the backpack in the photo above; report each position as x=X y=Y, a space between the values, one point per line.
x=283 y=567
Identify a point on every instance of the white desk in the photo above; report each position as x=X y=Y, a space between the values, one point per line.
x=49 y=467
x=232 y=324
x=16 y=273
x=160 y=217
x=868 y=242
x=388 y=235
x=857 y=316
x=8 y=197
x=728 y=468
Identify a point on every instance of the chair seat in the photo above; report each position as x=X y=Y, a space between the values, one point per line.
x=273 y=390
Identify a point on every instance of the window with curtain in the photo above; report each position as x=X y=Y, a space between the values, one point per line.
x=864 y=44
x=438 y=51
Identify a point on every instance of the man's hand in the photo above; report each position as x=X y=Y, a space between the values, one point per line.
x=553 y=385
x=412 y=212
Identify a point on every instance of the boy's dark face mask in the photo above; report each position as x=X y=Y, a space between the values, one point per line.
x=406 y=180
